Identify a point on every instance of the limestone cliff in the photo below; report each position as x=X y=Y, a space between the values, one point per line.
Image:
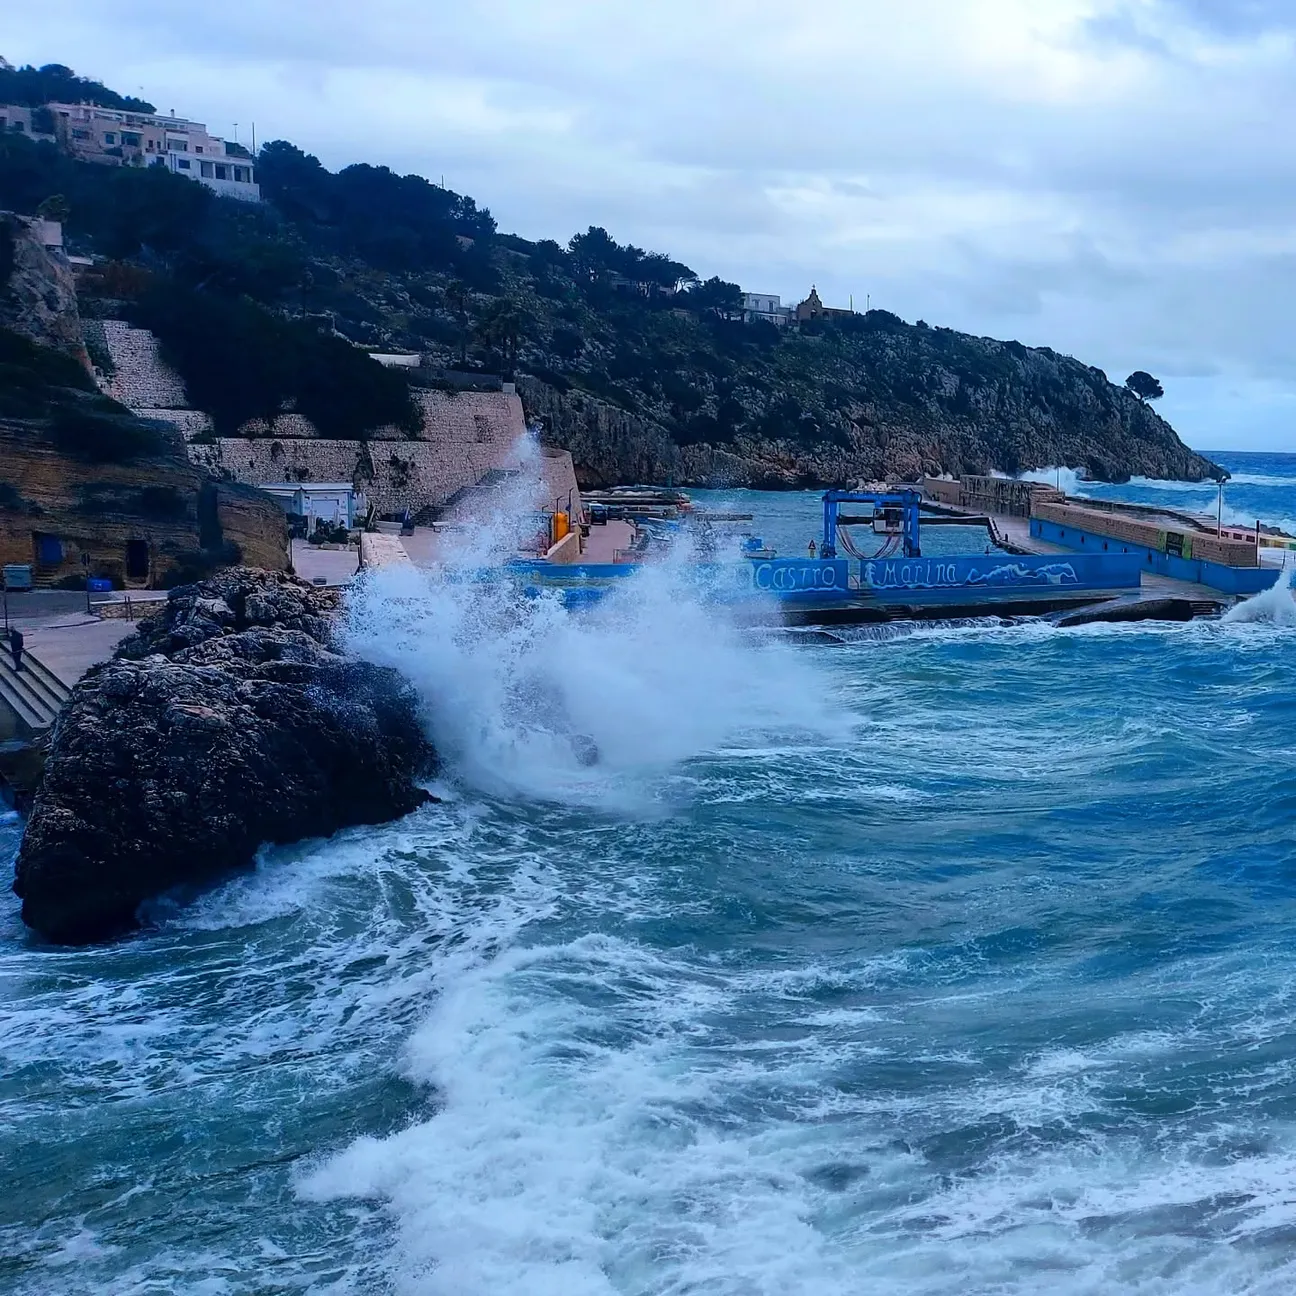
x=150 y=520
x=637 y=364
x=39 y=299
x=87 y=488
x=890 y=401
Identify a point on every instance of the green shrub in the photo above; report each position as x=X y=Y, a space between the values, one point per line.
x=240 y=362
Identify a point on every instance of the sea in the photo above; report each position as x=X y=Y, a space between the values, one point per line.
x=950 y=960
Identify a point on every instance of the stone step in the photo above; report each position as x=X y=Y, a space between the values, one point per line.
x=43 y=680
x=35 y=694
x=33 y=713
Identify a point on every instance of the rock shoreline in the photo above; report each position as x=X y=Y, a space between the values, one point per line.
x=230 y=720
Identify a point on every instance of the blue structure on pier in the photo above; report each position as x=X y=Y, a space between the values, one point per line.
x=896 y=579
x=897 y=510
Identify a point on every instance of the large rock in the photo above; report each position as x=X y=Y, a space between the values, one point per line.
x=228 y=721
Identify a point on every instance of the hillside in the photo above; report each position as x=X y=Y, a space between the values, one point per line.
x=640 y=368
x=86 y=487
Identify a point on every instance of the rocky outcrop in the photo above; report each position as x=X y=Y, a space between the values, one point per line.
x=39 y=300
x=876 y=401
x=228 y=721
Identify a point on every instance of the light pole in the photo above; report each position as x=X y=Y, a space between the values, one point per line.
x=1219 y=508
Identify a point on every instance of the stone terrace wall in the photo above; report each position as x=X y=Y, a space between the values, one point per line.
x=465 y=436
x=190 y=423
x=140 y=379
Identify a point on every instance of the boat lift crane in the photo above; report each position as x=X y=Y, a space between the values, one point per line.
x=898 y=510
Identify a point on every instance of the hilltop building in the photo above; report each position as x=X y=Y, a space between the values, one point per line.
x=114 y=137
x=813 y=308
x=765 y=306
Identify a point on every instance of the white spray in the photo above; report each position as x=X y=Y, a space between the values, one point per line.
x=1276 y=605
x=524 y=696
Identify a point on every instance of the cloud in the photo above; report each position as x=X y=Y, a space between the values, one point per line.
x=1108 y=177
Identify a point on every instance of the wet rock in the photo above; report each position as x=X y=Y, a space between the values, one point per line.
x=229 y=720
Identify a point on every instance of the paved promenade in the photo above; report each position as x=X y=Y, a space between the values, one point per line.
x=70 y=643
x=1017 y=530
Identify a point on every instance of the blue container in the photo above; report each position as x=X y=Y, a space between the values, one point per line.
x=99 y=584
x=17 y=576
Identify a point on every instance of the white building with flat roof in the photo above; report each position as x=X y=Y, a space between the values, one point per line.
x=115 y=137
x=334 y=502
x=765 y=306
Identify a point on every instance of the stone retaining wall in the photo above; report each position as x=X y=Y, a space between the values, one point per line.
x=464 y=436
x=140 y=379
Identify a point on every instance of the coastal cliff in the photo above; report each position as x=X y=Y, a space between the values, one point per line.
x=85 y=486
x=878 y=400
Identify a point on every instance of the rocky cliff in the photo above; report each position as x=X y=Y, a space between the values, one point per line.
x=39 y=299
x=87 y=488
x=845 y=405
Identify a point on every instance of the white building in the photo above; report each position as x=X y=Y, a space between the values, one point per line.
x=765 y=306
x=333 y=502
x=115 y=137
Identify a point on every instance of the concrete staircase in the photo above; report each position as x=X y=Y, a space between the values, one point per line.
x=34 y=694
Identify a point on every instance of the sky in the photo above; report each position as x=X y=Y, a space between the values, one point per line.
x=1111 y=178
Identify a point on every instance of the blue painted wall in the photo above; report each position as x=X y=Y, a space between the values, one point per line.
x=982 y=574
x=946 y=578
x=1228 y=580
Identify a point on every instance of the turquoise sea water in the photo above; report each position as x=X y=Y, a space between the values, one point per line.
x=956 y=961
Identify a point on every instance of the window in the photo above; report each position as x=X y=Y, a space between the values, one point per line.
x=240 y=174
x=178 y=146
x=148 y=148
x=206 y=168
x=19 y=127
x=221 y=172
x=80 y=134
x=183 y=164
x=131 y=139
x=110 y=137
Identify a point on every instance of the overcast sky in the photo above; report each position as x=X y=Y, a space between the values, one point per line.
x=1112 y=178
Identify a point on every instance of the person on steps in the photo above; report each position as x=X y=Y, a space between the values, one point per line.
x=16 y=647
x=812 y=549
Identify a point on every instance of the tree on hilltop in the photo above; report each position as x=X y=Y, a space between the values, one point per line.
x=717 y=297
x=457 y=298
x=502 y=327
x=1144 y=386
x=53 y=83
x=596 y=253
